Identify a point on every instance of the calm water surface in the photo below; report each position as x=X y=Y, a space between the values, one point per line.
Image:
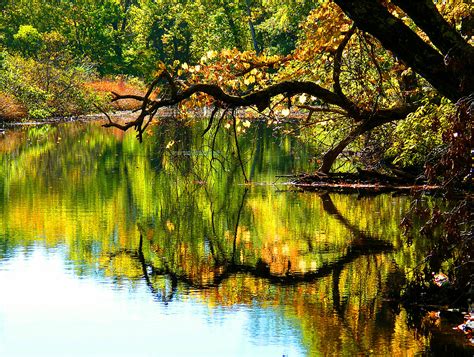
x=109 y=247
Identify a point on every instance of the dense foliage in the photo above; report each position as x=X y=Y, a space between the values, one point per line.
x=79 y=41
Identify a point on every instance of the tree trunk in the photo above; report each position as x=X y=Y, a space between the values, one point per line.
x=371 y=16
x=367 y=125
x=232 y=26
x=331 y=156
x=252 y=30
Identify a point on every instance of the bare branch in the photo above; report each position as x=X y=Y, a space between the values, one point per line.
x=234 y=121
x=117 y=97
x=336 y=73
x=261 y=99
x=211 y=119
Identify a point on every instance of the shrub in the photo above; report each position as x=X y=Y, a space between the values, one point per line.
x=46 y=88
x=104 y=87
x=419 y=137
x=28 y=40
x=10 y=108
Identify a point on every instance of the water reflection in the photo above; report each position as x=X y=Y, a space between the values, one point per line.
x=237 y=270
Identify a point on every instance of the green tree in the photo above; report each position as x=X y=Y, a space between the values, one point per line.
x=28 y=40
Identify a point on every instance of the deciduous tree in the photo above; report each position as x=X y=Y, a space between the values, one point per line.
x=361 y=51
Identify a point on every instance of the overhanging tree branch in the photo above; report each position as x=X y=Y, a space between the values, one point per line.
x=261 y=99
x=427 y=17
x=336 y=73
x=371 y=16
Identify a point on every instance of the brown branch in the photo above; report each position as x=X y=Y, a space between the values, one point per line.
x=117 y=96
x=214 y=137
x=261 y=100
x=336 y=73
x=445 y=37
x=146 y=109
x=372 y=17
x=211 y=119
x=371 y=52
x=112 y=123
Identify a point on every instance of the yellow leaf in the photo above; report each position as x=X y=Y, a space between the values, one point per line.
x=211 y=54
x=170 y=226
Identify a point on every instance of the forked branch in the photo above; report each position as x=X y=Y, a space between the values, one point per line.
x=336 y=101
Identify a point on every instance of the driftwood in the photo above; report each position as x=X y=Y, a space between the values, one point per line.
x=364 y=181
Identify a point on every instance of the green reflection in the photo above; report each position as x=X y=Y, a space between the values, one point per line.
x=173 y=211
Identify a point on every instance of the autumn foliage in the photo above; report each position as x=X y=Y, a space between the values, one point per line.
x=10 y=109
x=104 y=87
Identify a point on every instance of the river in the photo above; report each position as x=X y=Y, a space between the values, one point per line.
x=109 y=247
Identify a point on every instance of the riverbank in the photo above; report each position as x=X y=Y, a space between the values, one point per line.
x=18 y=106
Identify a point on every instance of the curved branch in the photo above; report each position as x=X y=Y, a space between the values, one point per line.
x=371 y=122
x=211 y=119
x=371 y=16
x=237 y=147
x=261 y=98
x=368 y=119
x=336 y=73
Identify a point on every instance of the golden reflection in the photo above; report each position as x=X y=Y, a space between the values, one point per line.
x=144 y=212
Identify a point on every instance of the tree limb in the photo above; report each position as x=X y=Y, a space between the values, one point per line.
x=371 y=16
x=336 y=73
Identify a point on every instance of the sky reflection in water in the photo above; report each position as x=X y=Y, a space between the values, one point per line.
x=49 y=312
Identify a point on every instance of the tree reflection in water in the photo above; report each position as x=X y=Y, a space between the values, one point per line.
x=322 y=261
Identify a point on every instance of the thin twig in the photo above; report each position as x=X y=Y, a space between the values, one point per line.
x=234 y=120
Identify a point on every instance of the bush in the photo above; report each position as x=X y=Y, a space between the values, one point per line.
x=10 y=108
x=419 y=137
x=46 y=88
x=28 y=40
x=104 y=87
